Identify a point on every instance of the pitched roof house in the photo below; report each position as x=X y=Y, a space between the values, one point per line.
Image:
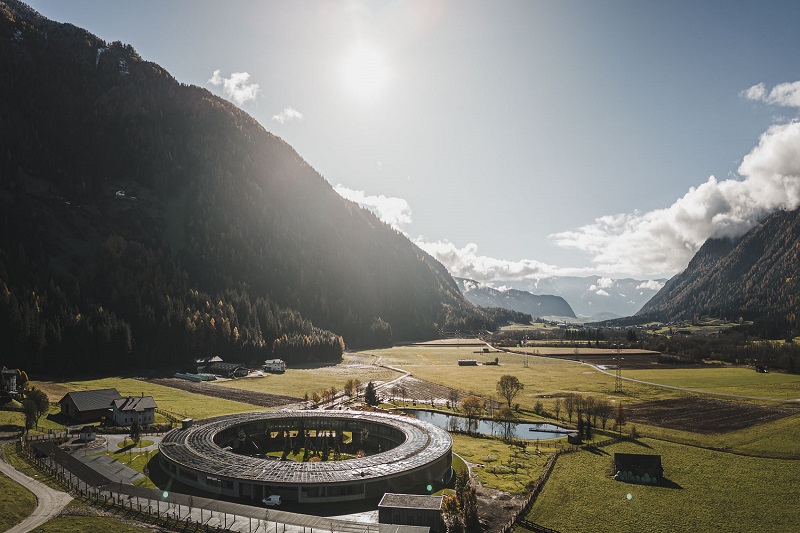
x=89 y=405
x=125 y=411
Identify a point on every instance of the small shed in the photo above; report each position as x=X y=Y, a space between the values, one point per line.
x=411 y=510
x=573 y=438
x=88 y=433
x=467 y=362
x=638 y=467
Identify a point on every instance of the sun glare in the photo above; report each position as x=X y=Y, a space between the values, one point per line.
x=365 y=72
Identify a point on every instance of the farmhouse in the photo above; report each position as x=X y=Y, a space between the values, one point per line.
x=638 y=467
x=126 y=411
x=411 y=510
x=274 y=365
x=89 y=405
x=9 y=380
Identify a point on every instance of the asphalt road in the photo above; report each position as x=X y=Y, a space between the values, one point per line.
x=49 y=502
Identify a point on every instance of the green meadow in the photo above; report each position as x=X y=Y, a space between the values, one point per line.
x=706 y=491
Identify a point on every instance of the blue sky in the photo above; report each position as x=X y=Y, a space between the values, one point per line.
x=509 y=139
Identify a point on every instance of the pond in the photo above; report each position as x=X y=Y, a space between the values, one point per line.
x=521 y=430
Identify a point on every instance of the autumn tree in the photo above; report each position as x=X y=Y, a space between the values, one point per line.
x=472 y=406
x=40 y=401
x=509 y=387
x=348 y=388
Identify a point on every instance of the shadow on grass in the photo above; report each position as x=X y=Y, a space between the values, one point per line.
x=62 y=420
x=669 y=484
x=595 y=450
x=639 y=443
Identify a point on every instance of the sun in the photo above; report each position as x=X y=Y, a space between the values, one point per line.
x=365 y=72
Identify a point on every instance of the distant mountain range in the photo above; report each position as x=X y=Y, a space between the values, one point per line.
x=594 y=297
x=147 y=222
x=756 y=277
x=524 y=302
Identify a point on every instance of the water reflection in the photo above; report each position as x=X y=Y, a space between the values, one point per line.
x=500 y=428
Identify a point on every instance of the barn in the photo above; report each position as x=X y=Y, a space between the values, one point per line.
x=88 y=405
x=638 y=467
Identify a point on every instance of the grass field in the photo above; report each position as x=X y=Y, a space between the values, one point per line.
x=543 y=377
x=16 y=502
x=502 y=466
x=709 y=491
x=727 y=380
x=14 y=421
x=298 y=381
x=176 y=401
x=78 y=517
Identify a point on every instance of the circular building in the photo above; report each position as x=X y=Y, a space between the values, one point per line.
x=222 y=455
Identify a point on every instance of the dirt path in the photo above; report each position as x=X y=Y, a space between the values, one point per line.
x=49 y=502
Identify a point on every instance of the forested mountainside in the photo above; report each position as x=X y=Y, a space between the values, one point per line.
x=756 y=277
x=144 y=221
x=521 y=301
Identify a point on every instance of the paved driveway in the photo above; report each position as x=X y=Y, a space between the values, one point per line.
x=49 y=502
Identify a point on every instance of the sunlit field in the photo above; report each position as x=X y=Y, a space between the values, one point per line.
x=707 y=491
x=296 y=382
x=175 y=401
x=726 y=380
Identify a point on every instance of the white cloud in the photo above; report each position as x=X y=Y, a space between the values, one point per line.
x=664 y=240
x=287 y=114
x=783 y=94
x=605 y=283
x=394 y=211
x=237 y=87
x=601 y=292
x=650 y=285
x=466 y=262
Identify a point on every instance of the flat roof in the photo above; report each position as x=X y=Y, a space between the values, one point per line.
x=411 y=501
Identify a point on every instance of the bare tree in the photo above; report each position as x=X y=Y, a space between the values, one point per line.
x=604 y=411
x=557 y=408
x=452 y=395
x=569 y=405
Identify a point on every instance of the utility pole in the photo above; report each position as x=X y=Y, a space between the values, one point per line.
x=618 y=379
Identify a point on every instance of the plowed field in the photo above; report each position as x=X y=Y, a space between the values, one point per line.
x=704 y=415
x=261 y=399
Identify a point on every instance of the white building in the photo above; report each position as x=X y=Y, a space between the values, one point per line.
x=274 y=365
x=125 y=411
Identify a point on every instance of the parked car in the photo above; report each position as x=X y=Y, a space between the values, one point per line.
x=272 y=501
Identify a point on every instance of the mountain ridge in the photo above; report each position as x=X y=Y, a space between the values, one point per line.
x=516 y=300
x=157 y=220
x=755 y=277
